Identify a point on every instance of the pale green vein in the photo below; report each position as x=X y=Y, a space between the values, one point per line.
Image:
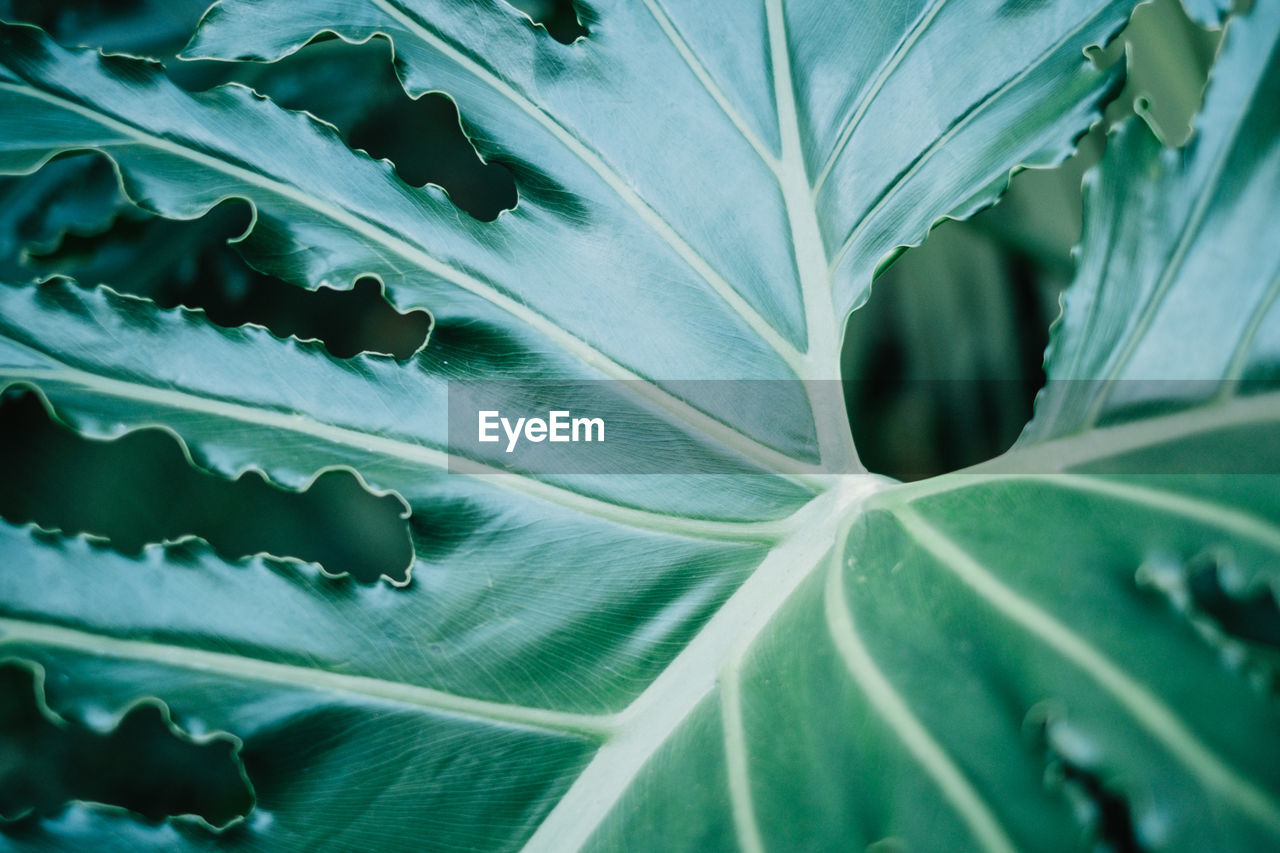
x=868 y=96
x=1082 y=448
x=19 y=631
x=823 y=326
x=1225 y=518
x=940 y=143
x=395 y=449
x=1239 y=358
x=1147 y=708
x=693 y=674
x=708 y=83
x=647 y=214
x=1205 y=198
x=1061 y=455
x=585 y=352
x=346 y=219
x=735 y=750
x=889 y=704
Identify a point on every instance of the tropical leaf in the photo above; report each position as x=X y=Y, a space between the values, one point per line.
x=799 y=655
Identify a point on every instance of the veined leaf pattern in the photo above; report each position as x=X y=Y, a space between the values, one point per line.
x=806 y=657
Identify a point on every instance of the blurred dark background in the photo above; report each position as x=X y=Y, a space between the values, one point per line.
x=943 y=363
x=139 y=765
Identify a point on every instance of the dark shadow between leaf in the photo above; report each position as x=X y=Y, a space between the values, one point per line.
x=354 y=88
x=145 y=763
x=70 y=219
x=141 y=488
x=558 y=17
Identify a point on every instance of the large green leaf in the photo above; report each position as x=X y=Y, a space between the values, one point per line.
x=804 y=656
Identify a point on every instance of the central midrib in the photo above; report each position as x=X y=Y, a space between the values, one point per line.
x=646 y=724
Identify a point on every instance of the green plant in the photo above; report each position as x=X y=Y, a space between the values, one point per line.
x=1070 y=645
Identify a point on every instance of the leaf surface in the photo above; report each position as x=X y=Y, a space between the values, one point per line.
x=795 y=657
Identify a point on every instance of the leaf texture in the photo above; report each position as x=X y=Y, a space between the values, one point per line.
x=787 y=659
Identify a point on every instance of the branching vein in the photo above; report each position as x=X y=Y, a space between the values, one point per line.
x=1157 y=718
